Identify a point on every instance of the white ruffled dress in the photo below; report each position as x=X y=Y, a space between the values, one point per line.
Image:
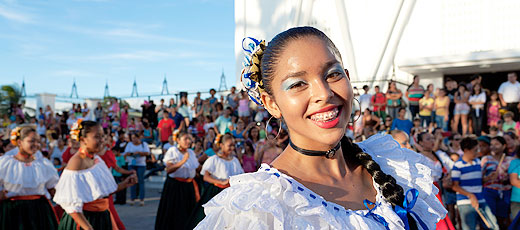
x=269 y=199
x=23 y=179
x=77 y=187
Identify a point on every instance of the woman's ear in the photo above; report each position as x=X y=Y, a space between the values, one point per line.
x=348 y=75
x=270 y=105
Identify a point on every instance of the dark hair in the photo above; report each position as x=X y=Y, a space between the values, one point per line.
x=57 y=159
x=468 y=143
x=54 y=136
x=181 y=134
x=25 y=131
x=474 y=77
x=225 y=137
x=392 y=191
x=463 y=85
x=473 y=90
x=511 y=134
x=420 y=136
x=365 y=87
x=414 y=77
x=402 y=109
x=499 y=139
x=87 y=127
x=352 y=153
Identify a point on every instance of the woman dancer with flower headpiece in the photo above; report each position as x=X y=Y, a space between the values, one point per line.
x=321 y=180
x=26 y=183
x=86 y=183
x=217 y=170
x=180 y=192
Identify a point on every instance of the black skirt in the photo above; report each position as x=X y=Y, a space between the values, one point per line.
x=177 y=203
x=98 y=220
x=27 y=214
x=198 y=215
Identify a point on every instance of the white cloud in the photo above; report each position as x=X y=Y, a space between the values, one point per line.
x=12 y=15
x=146 y=55
x=74 y=73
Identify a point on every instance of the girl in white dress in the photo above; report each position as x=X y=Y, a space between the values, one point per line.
x=180 y=191
x=321 y=180
x=216 y=171
x=26 y=184
x=86 y=183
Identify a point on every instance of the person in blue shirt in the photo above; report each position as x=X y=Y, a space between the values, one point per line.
x=402 y=123
x=466 y=175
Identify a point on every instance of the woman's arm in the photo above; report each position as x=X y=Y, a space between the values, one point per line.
x=123 y=171
x=171 y=168
x=513 y=178
x=127 y=182
x=210 y=179
x=80 y=219
x=456 y=98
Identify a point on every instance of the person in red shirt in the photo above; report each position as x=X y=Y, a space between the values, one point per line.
x=166 y=127
x=378 y=101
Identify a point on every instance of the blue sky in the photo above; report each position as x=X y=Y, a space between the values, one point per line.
x=50 y=43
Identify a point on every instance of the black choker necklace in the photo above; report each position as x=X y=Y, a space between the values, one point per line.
x=328 y=154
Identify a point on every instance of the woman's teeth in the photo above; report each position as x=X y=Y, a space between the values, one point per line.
x=325 y=116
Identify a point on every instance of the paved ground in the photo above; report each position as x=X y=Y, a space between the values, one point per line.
x=140 y=217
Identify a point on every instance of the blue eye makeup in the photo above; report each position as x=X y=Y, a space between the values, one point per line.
x=291 y=83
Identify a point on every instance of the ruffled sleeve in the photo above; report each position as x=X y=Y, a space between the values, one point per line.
x=411 y=171
x=78 y=187
x=172 y=156
x=209 y=165
x=33 y=178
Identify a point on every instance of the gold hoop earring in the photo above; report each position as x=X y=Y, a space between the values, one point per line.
x=279 y=128
x=355 y=120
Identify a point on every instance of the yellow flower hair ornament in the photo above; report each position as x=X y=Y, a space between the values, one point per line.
x=217 y=139
x=15 y=134
x=76 y=129
x=251 y=76
x=175 y=134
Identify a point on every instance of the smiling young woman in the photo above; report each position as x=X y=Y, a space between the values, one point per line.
x=322 y=180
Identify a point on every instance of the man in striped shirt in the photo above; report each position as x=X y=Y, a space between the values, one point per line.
x=467 y=182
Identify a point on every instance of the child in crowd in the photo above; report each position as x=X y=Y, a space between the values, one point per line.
x=493 y=110
x=509 y=124
x=467 y=182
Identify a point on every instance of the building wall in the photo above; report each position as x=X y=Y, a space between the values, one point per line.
x=435 y=29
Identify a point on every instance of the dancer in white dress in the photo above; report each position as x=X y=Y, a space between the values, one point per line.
x=216 y=171
x=86 y=183
x=322 y=180
x=26 y=184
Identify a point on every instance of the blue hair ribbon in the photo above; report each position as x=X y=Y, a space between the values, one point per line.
x=407 y=208
x=376 y=217
x=251 y=45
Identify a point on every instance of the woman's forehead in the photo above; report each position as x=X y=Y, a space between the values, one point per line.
x=309 y=54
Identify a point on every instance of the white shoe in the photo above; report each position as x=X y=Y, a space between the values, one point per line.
x=142 y=203
x=131 y=202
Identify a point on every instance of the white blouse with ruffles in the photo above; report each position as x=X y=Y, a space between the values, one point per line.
x=269 y=199
x=23 y=179
x=220 y=168
x=77 y=187
x=188 y=169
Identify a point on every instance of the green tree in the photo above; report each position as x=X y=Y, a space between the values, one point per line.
x=9 y=94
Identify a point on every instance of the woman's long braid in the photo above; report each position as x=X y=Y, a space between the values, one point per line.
x=392 y=191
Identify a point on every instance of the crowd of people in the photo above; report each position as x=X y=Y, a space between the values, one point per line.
x=463 y=129
x=469 y=135
x=208 y=129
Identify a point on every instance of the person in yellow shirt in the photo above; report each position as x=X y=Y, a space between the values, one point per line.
x=425 y=109
x=441 y=107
